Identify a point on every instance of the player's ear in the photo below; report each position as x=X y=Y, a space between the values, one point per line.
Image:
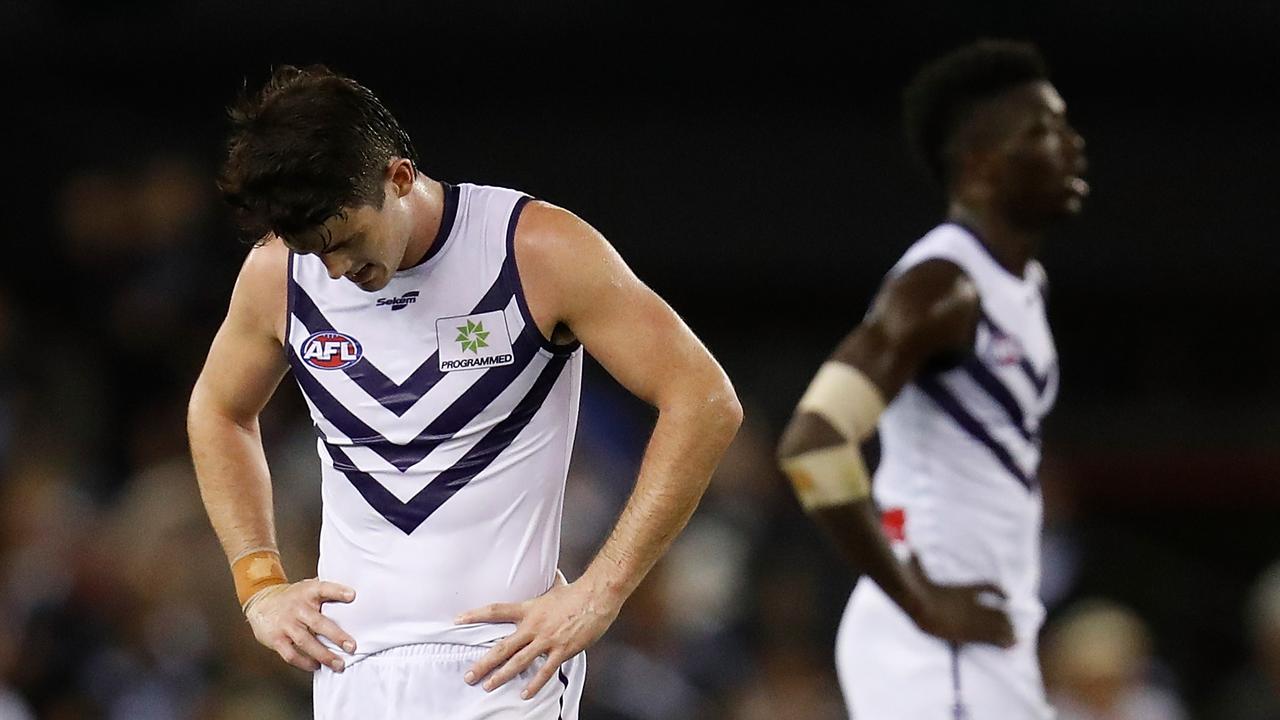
x=975 y=169
x=401 y=173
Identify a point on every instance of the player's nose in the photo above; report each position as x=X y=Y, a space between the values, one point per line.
x=336 y=267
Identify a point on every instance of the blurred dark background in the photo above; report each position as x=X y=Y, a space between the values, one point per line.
x=749 y=165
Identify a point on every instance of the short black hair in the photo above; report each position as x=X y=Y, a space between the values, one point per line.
x=308 y=144
x=942 y=96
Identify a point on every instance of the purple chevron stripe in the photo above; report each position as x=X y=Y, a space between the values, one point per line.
x=1038 y=381
x=987 y=380
x=951 y=406
x=409 y=515
x=447 y=424
x=397 y=398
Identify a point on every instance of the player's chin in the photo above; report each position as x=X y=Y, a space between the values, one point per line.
x=1067 y=205
x=376 y=280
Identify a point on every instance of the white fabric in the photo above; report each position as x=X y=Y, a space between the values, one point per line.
x=424 y=682
x=889 y=670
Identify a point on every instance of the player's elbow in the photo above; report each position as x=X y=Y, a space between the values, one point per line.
x=728 y=410
x=205 y=412
x=718 y=411
x=199 y=411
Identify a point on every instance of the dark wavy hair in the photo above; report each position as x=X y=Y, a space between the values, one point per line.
x=308 y=144
x=941 y=98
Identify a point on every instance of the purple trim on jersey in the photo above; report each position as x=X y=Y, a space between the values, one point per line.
x=564 y=690
x=1038 y=381
x=447 y=216
x=987 y=380
x=461 y=411
x=951 y=406
x=512 y=274
x=397 y=398
x=288 y=312
x=409 y=515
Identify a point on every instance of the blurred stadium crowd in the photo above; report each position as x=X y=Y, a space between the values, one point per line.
x=117 y=603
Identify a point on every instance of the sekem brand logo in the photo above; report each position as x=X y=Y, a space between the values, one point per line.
x=330 y=350
x=399 y=303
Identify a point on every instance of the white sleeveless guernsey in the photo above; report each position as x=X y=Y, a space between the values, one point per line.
x=960 y=448
x=445 y=423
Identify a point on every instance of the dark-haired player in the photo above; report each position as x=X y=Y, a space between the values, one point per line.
x=955 y=366
x=437 y=333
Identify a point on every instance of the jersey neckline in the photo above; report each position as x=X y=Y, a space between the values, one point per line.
x=977 y=238
x=448 y=215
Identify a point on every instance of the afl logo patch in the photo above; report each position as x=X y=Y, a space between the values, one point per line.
x=330 y=350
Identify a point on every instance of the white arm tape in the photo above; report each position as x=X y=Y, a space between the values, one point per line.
x=843 y=396
x=828 y=476
x=835 y=475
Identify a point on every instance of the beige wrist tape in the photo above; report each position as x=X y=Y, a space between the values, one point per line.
x=834 y=475
x=255 y=571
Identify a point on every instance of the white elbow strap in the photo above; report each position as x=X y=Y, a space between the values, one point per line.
x=834 y=475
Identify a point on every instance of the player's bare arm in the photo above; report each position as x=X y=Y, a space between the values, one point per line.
x=577 y=286
x=928 y=313
x=243 y=369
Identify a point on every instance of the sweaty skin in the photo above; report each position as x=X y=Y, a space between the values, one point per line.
x=1018 y=171
x=577 y=287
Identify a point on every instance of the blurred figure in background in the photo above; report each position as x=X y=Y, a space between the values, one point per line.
x=956 y=367
x=1098 y=663
x=1254 y=692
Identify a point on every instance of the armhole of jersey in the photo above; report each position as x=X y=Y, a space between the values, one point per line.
x=285 y=342
x=512 y=273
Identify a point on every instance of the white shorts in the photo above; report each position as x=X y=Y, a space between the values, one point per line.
x=890 y=670
x=424 y=682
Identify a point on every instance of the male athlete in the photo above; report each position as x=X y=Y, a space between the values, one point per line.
x=955 y=366
x=437 y=334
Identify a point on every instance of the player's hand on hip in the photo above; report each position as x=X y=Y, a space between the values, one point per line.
x=287 y=619
x=559 y=624
x=962 y=613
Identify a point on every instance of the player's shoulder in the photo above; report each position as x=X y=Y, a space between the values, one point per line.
x=260 y=290
x=545 y=225
x=265 y=268
x=933 y=304
x=946 y=241
x=932 y=289
x=267 y=258
x=552 y=238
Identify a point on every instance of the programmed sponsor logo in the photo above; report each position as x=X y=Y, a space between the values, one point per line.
x=399 y=303
x=469 y=342
x=330 y=350
x=477 y=362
